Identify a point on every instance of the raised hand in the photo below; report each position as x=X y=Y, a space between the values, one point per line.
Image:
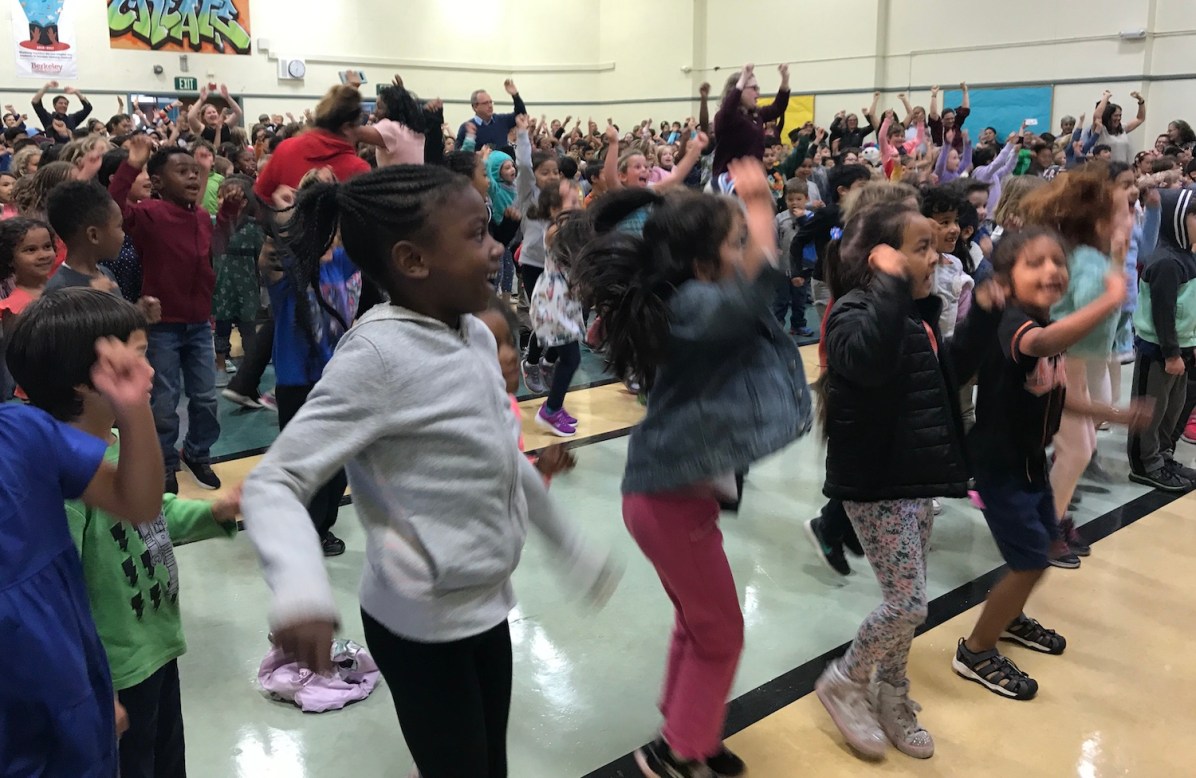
x=121 y=374
x=225 y=95
x=748 y=70
x=471 y=129
x=522 y=122
x=1136 y=95
x=70 y=90
x=509 y=85
x=1106 y=95
x=140 y=147
x=751 y=183
x=963 y=87
x=51 y=85
x=704 y=89
x=352 y=78
x=888 y=260
x=612 y=134
x=934 y=90
x=783 y=69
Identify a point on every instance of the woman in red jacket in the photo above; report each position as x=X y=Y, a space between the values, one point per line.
x=332 y=143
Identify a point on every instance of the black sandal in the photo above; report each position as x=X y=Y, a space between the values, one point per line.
x=995 y=672
x=1031 y=634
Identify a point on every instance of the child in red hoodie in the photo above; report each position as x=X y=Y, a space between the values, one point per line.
x=175 y=239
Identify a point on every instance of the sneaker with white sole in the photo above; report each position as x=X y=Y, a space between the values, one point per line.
x=850 y=707
x=1029 y=633
x=268 y=401
x=936 y=506
x=202 y=472
x=1077 y=544
x=898 y=717
x=994 y=672
x=244 y=400
x=555 y=422
x=831 y=556
x=532 y=377
x=1163 y=479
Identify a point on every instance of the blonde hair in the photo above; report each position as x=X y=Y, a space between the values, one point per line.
x=20 y=160
x=79 y=148
x=1013 y=191
x=875 y=192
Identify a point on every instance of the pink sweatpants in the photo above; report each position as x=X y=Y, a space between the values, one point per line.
x=679 y=533
x=1075 y=442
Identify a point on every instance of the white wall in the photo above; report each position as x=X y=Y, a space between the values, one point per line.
x=625 y=58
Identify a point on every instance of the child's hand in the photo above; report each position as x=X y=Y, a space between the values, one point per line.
x=234 y=199
x=122 y=717
x=1174 y=366
x=152 y=308
x=140 y=148
x=990 y=296
x=751 y=183
x=309 y=643
x=612 y=134
x=225 y=510
x=522 y=122
x=695 y=146
x=512 y=213
x=121 y=374
x=888 y=260
x=797 y=281
x=555 y=459
x=1115 y=284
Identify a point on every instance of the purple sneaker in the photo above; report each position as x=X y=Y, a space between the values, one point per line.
x=569 y=417
x=556 y=423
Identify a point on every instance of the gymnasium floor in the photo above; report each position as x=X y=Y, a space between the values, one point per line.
x=1119 y=702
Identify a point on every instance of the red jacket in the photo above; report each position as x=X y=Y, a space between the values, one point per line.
x=175 y=244
x=310 y=150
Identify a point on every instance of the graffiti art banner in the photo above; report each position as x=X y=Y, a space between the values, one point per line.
x=44 y=33
x=200 y=26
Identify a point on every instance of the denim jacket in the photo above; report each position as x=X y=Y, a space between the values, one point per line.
x=731 y=390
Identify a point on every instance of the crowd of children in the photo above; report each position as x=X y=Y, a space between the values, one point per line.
x=975 y=302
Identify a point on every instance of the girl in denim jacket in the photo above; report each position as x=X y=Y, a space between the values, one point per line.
x=686 y=313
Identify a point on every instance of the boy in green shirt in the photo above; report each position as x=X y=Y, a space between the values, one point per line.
x=132 y=585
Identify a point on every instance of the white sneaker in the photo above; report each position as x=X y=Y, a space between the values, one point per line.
x=898 y=717
x=936 y=506
x=850 y=707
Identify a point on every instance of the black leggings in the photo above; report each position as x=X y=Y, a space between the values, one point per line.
x=326 y=502
x=568 y=360
x=530 y=275
x=452 y=699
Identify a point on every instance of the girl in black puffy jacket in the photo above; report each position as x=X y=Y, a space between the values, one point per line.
x=894 y=441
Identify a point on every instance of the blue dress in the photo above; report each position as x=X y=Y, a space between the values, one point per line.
x=56 y=711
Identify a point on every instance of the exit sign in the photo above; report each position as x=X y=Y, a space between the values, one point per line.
x=186 y=84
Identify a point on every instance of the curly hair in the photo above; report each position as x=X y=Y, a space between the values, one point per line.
x=12 y=232
x=1074 y=205
x=30 y=193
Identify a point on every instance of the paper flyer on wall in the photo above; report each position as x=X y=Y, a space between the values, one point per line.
x=44 y=34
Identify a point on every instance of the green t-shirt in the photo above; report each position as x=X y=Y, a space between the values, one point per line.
x=211 y=199
x=132 y=579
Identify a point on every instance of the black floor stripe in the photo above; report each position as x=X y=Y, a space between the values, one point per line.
x=770 y=697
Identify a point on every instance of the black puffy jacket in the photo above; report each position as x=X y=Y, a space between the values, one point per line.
x=892 y=406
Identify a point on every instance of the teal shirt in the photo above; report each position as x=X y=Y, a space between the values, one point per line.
x=1087 y=268
x=133 y=590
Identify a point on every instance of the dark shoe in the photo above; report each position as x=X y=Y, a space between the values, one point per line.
x=831 y=556
x=1031 y=634
x=172 y=483
x=1183 y=471
x=202 y=472
x=852 y=542
x=332 y=545
x=726 y=764
x=658 y=761
x=1163 y=479
x=1062 y=556
x=1097 y=472
x=994 y=672
x=1072 y=536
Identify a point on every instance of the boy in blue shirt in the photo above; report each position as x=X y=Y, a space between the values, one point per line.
x=68 y=343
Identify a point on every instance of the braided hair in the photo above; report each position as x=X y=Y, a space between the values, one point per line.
x=371 y=213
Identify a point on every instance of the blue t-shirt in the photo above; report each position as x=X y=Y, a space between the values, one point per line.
x=296 y=362
x=56 y=695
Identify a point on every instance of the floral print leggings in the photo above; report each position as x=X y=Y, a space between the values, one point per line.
x=895 y=535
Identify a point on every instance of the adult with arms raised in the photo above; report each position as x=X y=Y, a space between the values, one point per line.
x=739 y=123
x=59 y=124
x=208 y=121
x=492 y=128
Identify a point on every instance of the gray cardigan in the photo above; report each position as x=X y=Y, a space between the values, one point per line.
x=732 y=388
x=418 y=415
x=526 y=195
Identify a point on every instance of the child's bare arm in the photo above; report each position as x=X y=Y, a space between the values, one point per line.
x=610 y=164
x=1057 y=337
x=679 y=172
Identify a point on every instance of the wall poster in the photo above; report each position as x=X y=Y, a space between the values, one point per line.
x=187 y=26
x=44 y=34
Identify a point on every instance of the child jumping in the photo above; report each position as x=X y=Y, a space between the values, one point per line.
x=686 y=311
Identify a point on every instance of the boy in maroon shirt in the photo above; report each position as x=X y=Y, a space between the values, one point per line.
x=175 y=241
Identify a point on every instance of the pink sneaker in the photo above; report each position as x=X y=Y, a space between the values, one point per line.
x=1189 y=435
x=555 y=422
x=974 y=496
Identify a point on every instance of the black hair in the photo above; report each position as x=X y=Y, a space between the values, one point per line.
x=51 y=151
x=568 y=167
x=1190 y=167
x=1186 y=133
x=12 y=232
x=52 y=347
x=971 y=185
x=1116 y=168
x=73 y=206
x=983 y=155
x=845 y=176
x=115 y=120
x=12 y=133
x=504 y=309
x=111 y=163
x=628 y=279
x=540 y=157
x=1107 y=117
x=462 y=162
x=402 y=106
x=371 y=212
x=941 y=199
x=1048 y=137
x=846 y=267
x=157 y=162
x=574 y=231
x=1163 y=164
x=1011 y=244
x=1101 y=147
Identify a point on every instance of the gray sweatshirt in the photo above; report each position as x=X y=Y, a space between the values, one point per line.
x=418 y=415
x=526 y=196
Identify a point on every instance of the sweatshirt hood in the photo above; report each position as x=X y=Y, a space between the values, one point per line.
x=324 y=146
x=1173 y=229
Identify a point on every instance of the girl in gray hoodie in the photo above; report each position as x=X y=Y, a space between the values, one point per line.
x=414 y=407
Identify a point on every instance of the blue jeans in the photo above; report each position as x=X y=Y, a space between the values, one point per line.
x=184 y=360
